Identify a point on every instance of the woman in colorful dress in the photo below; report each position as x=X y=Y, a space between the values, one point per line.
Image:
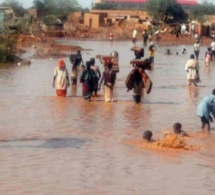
x=88 y=78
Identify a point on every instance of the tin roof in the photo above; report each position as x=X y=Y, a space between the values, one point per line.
x=183 y=2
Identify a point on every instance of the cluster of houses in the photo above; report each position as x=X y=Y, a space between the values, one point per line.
x=95 y=19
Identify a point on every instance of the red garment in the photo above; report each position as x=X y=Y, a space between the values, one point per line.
x=61 y=63
x=111 y=36
x=61 y=92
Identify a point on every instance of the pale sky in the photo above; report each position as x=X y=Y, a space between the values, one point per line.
x=29 y=3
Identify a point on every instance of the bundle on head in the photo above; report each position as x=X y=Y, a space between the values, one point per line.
x=144 y=64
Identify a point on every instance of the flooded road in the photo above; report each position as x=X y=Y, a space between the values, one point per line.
x=64 y=146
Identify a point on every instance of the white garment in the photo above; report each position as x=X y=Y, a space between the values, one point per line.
x=192 y=67
x=61 y=78
x=108 y=93
x=183 y=28
x=196 y=46
x=213 y=46
x=134 y=33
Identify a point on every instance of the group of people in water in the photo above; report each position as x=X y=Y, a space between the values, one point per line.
x=177 y=130
x=89 y=75
x=174 y=139
x=92 y=79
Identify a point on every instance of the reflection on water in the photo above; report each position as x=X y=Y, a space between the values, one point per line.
x=53 y=145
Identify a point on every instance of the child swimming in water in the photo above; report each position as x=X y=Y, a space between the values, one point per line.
x=184 y=51
x=178 y=131
x=168 y=52
x=147 y=136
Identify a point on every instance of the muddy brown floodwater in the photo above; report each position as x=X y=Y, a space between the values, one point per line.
x=67 y=146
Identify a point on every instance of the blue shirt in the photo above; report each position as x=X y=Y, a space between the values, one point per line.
x=206 y=107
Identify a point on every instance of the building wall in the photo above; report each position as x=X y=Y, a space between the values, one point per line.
x=114 y=13
x=91 y=20
x=94 y=20
x=75 y=17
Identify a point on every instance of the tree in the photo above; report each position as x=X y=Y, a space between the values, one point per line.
x=59 y=8
x=165 y=9
x=199 y=12
x=38 y=4
x=16 y=6
x=104 y=6
x=8 y=48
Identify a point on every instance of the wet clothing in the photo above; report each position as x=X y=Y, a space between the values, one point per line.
x=138 y=87
x=206 y=107
x=204 y=121
x=88 y=81
x=182 y=133
x=61 y=92
x=76 y=61
x=109 y=80
x=97 y=77
x=74 y=75
x=61 y=81
x=192 y=68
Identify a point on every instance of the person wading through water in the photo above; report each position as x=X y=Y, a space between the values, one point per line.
x=61 y=79
x=108 y=78
x=88 y=78
x=76 y=61
x=98 y=75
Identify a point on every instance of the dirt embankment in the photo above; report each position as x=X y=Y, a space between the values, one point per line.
x=45 y=46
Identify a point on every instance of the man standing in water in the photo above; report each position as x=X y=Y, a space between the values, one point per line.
x=196 y=49
x=206 y=111
x=192 y=68
x=145 y=37
x=88 y=80
x=151 y=50
x=61 y=79
x=108 y=78
x=97 y=75
x=138 y=87
x=76 y=61
x=134 y=36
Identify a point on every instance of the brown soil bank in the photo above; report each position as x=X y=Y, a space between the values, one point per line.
x=45 y=46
